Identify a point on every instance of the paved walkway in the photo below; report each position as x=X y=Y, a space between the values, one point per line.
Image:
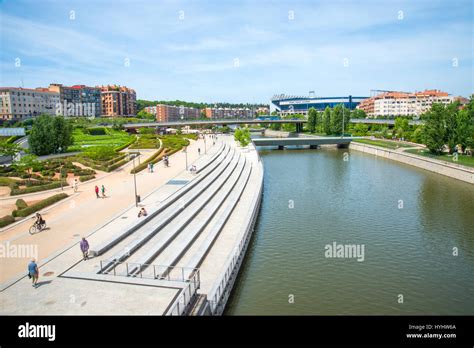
x=83 y=213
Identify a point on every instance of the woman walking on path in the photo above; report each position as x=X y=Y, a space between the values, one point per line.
x=103 y=191
x=33 y=272
x=97 y=191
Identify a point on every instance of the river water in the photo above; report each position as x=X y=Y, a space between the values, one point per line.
x=413 y=229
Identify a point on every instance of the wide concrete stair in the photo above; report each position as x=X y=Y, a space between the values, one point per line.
x=125 y=230
x=176 y=237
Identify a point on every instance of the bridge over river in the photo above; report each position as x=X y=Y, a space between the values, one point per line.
x=312 y=142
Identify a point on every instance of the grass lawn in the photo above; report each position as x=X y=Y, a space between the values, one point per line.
x=462 y=159
x=146 y=141
x=383 y=143
x=113 y=138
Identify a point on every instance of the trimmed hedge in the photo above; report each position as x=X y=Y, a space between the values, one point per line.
x=96 y=131
x=152 y=159
x=21 y=204
x=86 y=178
x=6 y=220
x=40 y=205
x=53 y=185
x=124 y=146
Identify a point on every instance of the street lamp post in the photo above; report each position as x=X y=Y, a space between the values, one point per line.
x=342 y=136
x=61 y=172
x=135 y=182
x=186 y=154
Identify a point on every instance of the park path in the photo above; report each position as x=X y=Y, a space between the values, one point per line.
x=83 y=212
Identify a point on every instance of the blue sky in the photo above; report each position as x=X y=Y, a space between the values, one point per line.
x=239 y=51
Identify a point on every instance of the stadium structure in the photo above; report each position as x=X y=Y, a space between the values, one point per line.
x=287 y=104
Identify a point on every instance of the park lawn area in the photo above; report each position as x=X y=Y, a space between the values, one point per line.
x=113 y=138
x=146 y=141
x=383 y=143
x=462 y=159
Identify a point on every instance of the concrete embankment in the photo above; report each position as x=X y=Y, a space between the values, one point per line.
x=452 y=170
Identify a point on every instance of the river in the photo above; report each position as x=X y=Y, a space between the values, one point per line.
x=414 y=229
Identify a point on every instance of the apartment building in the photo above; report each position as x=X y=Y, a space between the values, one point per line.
x=78 y=100
x=118 y=101
x=391 y=104
x=218 y=113
x=20 y=103
x=171 y=113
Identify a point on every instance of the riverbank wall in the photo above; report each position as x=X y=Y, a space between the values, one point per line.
x=452 y=170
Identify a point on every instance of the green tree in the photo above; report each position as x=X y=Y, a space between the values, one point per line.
x=361 y=129
x=50 y=134
x=144 y=114
x=312 y=120
x=9 y=149
x=327 y=120
x=337 y=117
x=401 y=126
x=434 y=130
x=242 y=135
x=26 y=163
x=358 y=113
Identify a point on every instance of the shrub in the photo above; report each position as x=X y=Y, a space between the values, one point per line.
x=116 y=165
x=97 y=131
x=37 y=188
x=86 y=178
x=40 y=205
x=152 y=159
x=6 y=220
x=21 y=204
x=124 y=146
x=99 y=153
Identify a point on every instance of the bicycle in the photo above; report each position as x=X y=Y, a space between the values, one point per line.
x=35 y=228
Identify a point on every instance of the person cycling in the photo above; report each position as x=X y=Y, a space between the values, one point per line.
x=39 y=220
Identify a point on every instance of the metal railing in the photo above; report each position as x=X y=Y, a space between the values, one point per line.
x=219 y=294
x=149 y=271
x=184 y=301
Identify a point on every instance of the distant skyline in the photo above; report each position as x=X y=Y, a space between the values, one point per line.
x=239 y=51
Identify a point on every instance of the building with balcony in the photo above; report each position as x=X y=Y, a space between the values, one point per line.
x=78 y=100
x=21 y=103
x=219 y=113
x=171 y=113
x=118 y=101
x=392 y=104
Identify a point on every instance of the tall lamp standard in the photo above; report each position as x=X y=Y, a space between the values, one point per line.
x=342 y=136
x=61 y=172
x=135 y=182
x=186 y=154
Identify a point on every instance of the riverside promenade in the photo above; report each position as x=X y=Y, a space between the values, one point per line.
x=182 y=258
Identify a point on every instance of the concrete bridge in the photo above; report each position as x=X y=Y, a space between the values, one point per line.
x=298 y=122
x=312 y=142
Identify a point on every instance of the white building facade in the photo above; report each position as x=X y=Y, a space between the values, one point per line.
x=20 y=103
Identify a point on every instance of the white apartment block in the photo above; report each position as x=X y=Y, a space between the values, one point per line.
x=19 y=103
x=404 y=104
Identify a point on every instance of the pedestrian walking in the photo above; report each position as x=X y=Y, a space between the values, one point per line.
x=75 y=184
x=151 y=167
x=97 y=191
x=103 y=191
x=33 y=272
x=199 y=151
x=84 y=244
